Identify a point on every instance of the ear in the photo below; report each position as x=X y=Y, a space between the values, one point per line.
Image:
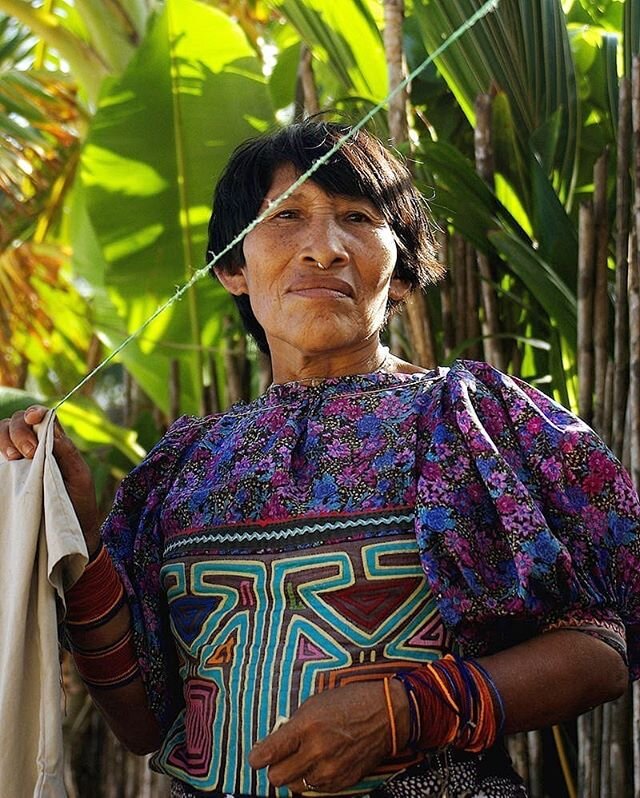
x=398 y=289
x=235 y=283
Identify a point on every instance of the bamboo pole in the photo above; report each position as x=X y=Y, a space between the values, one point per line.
x=595 y=768
x=534 y=746
x=424 y=346
x=607 y=407
x=213 y=389
x=446 y=294
x=634 y=300
x=233 y=365
x=394 y=52
x=458 y=273
x=417 y=309
x=174 y=390
x=635 y=736
x=307 y=82
x=601 y=298
x=623 y=205
x=265 y=374
x=605 y=760
x=517 y=746
x=485 y=166
x=634 y=366
x=585 y=755
x=620 y=745
x=586 y=271
x=474 y=328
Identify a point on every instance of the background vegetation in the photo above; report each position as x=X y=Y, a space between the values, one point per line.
x=116 y=118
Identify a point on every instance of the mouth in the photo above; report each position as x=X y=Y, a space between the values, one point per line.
x=318 y=287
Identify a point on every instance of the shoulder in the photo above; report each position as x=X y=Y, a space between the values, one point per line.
x=489 y=390
x=162 y=461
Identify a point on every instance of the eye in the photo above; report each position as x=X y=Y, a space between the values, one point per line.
x=358 y=216
x=286 y=213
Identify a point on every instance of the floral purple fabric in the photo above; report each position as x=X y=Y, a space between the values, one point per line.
x=524 y=519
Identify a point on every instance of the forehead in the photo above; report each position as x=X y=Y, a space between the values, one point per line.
x=285 y=175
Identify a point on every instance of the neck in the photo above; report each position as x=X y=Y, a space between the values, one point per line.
x=300 y=367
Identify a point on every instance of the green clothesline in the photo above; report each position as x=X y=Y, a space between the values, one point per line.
x=489 y=6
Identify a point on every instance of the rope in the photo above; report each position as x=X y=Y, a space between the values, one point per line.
x=488 y=7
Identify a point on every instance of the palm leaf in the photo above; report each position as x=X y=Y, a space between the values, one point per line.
x=542 y=281
x=39 y=120
x=346 y=38
x=42 y=317
x=522 y=50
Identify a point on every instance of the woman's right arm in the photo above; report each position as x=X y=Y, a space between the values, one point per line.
x=125 y=706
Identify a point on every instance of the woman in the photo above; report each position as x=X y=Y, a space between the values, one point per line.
x=308 y=576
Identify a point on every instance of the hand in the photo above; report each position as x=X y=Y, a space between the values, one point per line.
x=334 y=738
x=18 y=440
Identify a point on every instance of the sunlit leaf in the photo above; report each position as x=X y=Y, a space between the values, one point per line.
x=83 y=420
x=160 y=138
x=522 y=49
x=344 y=35
x=545 y=285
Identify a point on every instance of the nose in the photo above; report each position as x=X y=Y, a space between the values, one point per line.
x=325 y=243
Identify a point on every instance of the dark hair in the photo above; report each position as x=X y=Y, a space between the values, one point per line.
x=362 y=167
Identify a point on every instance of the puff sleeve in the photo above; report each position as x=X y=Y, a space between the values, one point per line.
x=133 y=536
x=524 y=518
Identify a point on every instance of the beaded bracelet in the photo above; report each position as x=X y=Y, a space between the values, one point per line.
x=93 y=601
x=97 y=596
x=108 y=667
x=452 y=702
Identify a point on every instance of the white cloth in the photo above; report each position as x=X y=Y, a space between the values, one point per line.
x=42 y=552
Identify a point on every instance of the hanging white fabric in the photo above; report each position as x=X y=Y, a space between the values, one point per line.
x=42 y=553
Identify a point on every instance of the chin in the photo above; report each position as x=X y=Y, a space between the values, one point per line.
x=326 y=333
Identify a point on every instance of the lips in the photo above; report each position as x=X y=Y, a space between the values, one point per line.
x=321 y=286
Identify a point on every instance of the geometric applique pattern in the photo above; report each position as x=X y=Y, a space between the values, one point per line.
x=367 y=605
x=194 y=752
x=190 y=612
x=280 y=627
x=432 y=635
x=307 y=649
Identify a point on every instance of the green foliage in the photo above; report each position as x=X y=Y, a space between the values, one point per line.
x=161 y=135
x=346 y=41
x=522 y=52
x=174 y=105
x=85 y=423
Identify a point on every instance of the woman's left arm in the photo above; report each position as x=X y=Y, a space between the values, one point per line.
x=338 y=736
x=555 y=676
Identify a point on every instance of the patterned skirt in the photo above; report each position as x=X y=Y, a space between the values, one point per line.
x=450 y=774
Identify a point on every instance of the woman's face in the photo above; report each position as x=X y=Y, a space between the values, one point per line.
x=297 y=303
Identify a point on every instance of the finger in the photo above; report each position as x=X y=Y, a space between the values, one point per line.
x=291 y=774
x=23 y=439
x=7 y=449
x=35 y=414
x=278 y=745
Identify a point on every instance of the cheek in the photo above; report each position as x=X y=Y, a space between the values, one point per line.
x=384 y=263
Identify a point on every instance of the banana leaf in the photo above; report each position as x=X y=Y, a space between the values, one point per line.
x=85 y=422
x=161 y=136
